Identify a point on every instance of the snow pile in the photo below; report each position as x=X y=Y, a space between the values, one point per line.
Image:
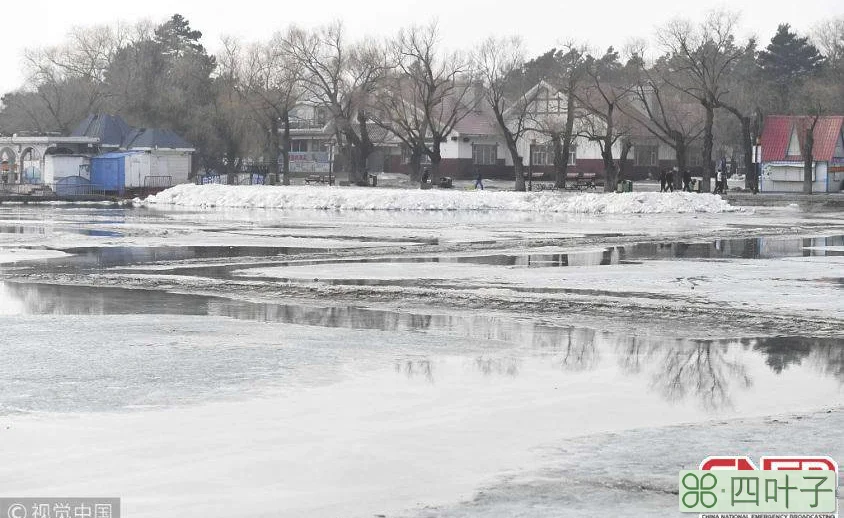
x=362 y=198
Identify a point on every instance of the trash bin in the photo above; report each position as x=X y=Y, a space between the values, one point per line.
x=619 y=187
x=373 y=180
x=628 y=185
x=446 y=182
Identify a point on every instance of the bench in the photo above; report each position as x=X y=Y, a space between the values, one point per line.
x=315 y=178
x=580 y=181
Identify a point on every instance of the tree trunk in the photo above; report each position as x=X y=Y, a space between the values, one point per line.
x=626 y=145
x=285 y=149
x=518 y=165
x=610 y=174
x=435 y=167
x=747 y=151
x=568 y=133
x=707 y=146
x=808 y=159
x=560 y=161
x=274 y=150
x=519 y=171
x=415 y=164
x=681 y=154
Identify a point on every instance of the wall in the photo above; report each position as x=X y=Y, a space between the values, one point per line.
x=62 y=166
x=780 y=177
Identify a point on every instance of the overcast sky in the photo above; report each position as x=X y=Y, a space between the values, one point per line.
x=541 y=23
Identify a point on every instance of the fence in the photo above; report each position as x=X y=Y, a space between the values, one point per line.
x=68 y=187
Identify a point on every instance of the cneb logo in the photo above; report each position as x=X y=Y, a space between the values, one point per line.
x=788 y=463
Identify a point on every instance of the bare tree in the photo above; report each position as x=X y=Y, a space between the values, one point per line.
x=814 y=99
x=268 y=78
x=342 y=78
x=67 y=81
x=664 y=112
x=607 y=87
x=828 y=35
x=507 y=94
x=404 y=119
x=703 y=55
x=442 y=87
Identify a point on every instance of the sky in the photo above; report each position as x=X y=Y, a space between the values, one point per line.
x=542 y=24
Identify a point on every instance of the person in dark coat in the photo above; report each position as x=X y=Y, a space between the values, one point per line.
x=669 y=180
x=479 y=180
x=426 y=174
x=687 y=180
x=662 y=176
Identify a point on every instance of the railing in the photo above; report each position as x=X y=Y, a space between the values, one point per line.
x=306 y=124
x=70 y=187
x=158 y=182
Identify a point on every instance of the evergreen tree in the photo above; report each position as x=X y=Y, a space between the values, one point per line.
x=787 y=61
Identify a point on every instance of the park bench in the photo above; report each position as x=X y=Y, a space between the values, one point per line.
x=580 y=181
x=315 y=178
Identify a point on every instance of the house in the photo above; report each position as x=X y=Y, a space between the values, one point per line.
x=783 y=150
x=134 y=158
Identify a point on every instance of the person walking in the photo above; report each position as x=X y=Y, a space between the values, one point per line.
x=687 y=180
x=720 y=180
x=669 y=179
x=662 y=177
x=479 y=180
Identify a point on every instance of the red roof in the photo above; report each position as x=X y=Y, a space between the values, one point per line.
x=776 y=135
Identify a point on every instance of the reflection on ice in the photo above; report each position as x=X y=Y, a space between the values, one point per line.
x=708 y=373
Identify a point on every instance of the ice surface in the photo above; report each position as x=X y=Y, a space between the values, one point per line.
x=14 y=255
x=337 y=404
x=298 y=197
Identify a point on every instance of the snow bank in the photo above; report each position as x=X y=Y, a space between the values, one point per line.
x=362 y=198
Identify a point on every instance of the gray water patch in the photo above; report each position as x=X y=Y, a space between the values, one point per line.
x=83 y=258
x=112 y=354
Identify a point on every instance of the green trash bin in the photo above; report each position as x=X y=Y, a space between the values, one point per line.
x=628 y=186
x=619 y=187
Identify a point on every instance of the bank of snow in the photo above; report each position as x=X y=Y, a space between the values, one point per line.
x=352 y=198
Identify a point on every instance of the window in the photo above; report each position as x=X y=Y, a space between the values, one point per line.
x=298 y=145
x=484 y=154
x=646 y=155
x=839 y=147
x=694 y=156
x=405 y=156
x=545 y=102
x=542 y=154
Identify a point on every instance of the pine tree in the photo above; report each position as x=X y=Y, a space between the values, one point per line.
x=787 y=61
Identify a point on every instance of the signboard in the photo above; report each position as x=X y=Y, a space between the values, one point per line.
x=309 y=162
x=785 y=485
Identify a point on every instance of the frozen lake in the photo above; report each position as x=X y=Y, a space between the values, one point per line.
x=464 y=363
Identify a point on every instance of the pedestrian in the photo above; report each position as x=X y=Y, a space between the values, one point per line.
x=669 y=179
x=479 y=180
x=687 y=180
x=426 y=174
x=662 y=176
x=719 y=182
